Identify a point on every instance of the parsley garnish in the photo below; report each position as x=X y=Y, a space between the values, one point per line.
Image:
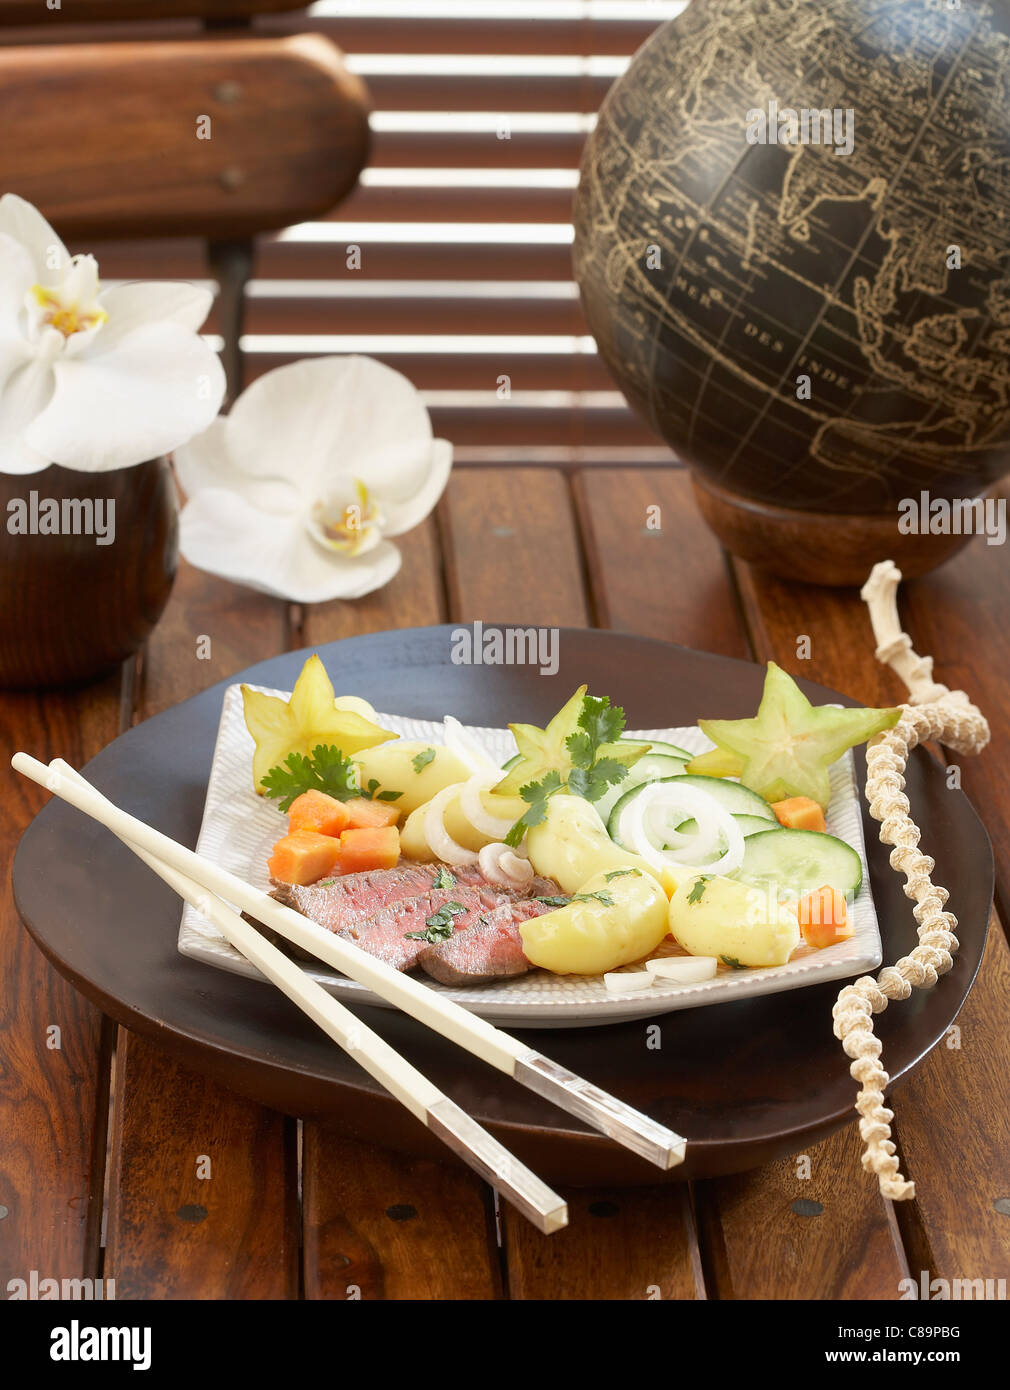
x=697 y=889
x=552 y=902
x=619 y=873
x=422 y=759
x=327 y=770
x=325 y=883
x=732 y=962
x=590 y=776
x=443 y=879
x=438 y=927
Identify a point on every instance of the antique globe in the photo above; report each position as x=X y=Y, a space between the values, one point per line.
x=792 y=238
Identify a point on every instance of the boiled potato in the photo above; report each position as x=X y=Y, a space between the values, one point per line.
x=571 y=844
x=732 y=920
x=412 y=840
x=392 y=766
x=596 y=934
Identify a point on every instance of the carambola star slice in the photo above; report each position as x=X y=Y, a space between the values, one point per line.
x=787 y=748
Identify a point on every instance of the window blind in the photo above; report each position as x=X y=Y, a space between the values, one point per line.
x=462 y=278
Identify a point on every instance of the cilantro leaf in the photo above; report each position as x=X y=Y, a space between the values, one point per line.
x=732 y=962
x=372 y=788
x=536 y=795
x=326 y=770
x=581 y=748
x=698 y=889
x=434 y=932
x=591 y=783
x=601 y=895
x=422 y=759
x=602 y=723
x=438 y=927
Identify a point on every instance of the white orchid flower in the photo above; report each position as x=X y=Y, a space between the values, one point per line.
x=94 y=379
x=295 y=492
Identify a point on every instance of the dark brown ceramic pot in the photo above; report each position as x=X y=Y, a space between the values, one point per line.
x=72 y=608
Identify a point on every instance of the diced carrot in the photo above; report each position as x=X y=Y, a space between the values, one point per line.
x=371 y=847
x=303 y=856
x=314 y=810
x=364 y=814
x=799 y=813
x=824 y=917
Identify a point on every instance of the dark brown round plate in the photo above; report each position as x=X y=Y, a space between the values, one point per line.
x=745 y=1082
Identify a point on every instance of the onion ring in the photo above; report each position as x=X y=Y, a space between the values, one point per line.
x=440 y=842
x=712 y=818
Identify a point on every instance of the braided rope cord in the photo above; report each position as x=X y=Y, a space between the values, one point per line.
x=933 y=713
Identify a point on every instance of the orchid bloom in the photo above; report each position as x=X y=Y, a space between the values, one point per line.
x=295 y=492
x=92 y=378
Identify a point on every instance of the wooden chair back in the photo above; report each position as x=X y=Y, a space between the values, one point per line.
x=224 y=135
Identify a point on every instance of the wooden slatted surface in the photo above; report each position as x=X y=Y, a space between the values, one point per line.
x=89 y=116
x=505 y=542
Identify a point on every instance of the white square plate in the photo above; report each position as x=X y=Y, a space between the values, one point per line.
x=239 y=829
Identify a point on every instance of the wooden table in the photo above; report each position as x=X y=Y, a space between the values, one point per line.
x=102 y=1135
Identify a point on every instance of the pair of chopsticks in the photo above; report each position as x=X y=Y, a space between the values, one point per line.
x=210 y=890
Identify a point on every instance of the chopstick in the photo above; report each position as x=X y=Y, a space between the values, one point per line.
x=531 y=1068
x=544 y=1207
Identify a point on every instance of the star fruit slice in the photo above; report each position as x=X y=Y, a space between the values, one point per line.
x=310 y=718
x=545 y=750
x=787 y=748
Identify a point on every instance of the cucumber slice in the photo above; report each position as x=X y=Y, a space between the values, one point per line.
x=755 y=825
x=750 y=825
x=654 y=767
x=738 y=800
x=799 y=861
x=668 y=750
x=617 y=810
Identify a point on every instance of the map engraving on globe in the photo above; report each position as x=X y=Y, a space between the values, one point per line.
x=717 y=273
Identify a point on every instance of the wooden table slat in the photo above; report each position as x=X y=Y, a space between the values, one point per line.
x=386 y=1225
x=511 y=549
x=635 y=1243
x=53 y=1099
x=203 y=1202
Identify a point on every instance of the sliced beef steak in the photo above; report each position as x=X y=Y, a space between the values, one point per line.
x=337 y=903
x=487 y=949
x=386 y=934
x=379 y=911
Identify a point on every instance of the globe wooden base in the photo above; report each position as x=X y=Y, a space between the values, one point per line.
x=817 y=547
